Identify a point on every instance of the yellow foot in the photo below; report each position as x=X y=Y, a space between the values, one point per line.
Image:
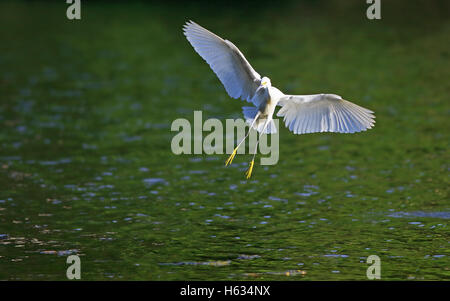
x=231 y=157
x=248 y=174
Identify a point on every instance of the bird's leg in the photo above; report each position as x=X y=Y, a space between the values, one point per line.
x=231 y=157
x=248 y=173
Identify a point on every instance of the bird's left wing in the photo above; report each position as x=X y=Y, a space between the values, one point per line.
x=323 y=113
x=228 y=63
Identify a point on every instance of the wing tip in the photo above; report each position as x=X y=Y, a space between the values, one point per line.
x=187 y=25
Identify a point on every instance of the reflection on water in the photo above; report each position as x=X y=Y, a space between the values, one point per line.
x=211 y=263
x=444 y=215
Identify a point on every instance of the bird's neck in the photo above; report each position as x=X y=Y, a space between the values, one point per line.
x=275 y=94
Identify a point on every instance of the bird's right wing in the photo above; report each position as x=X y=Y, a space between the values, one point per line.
x=228 y=63
x=323 y=113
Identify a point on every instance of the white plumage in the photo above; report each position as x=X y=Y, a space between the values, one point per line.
x=323 y=113
x=302 y=113
x=237 y=76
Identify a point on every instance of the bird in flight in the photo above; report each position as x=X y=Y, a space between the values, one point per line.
x=302 y=114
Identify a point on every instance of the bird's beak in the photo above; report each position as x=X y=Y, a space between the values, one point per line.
x=263 y=83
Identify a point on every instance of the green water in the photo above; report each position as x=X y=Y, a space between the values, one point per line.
x=86 y=166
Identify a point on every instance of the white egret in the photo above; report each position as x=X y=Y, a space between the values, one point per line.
x=302 y=113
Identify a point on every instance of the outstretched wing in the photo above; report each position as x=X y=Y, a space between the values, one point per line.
x=228 y=63
x=323 y=113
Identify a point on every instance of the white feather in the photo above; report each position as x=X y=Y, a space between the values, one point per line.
x=228 y=63
x=323 y=113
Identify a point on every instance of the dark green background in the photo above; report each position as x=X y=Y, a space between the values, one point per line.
x=86 y=166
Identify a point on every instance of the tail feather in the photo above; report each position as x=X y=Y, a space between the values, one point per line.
x=250 y=114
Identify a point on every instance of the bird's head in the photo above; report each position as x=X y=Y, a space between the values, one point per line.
x=265 y=82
